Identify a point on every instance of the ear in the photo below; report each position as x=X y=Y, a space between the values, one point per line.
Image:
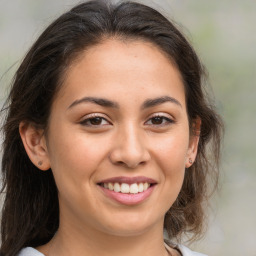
x=193 y=142
x=35 y=145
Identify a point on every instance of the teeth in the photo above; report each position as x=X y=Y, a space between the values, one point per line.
x=141 y=187
x=110 y=186
x=117 y=187
x=126 y=188
x=145 y=186
x=134 y=189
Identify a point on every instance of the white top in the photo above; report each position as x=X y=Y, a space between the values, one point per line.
x=29 y=251
x=187 y=252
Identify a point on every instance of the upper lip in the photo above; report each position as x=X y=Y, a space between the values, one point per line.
x=128 y=180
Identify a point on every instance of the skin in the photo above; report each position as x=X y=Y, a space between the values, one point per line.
x=127 y=140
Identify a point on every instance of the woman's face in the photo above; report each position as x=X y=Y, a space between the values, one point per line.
x=119 y=122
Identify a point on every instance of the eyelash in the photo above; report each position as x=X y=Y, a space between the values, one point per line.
x=99 y=118
x=94 y=117
x=162 y=117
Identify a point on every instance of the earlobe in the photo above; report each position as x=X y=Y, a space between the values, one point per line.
x=193 y=142
x=35 y=145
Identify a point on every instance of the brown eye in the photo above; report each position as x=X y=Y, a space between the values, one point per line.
x=95 y=121
x=157 y=120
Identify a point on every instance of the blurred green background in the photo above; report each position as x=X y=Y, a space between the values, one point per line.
x=224 y=35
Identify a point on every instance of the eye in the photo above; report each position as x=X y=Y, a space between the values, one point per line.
x=95 y=120
x=159 y=120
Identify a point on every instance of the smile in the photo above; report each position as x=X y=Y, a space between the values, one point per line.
x=128 y=190
x=134 y=188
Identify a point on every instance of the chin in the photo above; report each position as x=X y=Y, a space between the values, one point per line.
x=131 y=225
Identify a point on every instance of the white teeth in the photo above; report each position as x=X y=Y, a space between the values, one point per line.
x=145 y=186
x=134 y=188
x=110 y=186
x=125 y=188
x=117 y=187
x=141 y=188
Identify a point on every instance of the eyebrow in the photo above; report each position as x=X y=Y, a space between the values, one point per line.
x=111 y=104
x=98 y=101
x=157 y=101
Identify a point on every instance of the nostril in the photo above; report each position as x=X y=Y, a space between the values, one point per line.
x=122 y=156
x=130 y=164
x=120 y=163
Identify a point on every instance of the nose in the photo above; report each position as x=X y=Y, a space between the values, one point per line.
x=129 y=148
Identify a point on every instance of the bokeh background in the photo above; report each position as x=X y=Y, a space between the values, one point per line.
x=224 y=35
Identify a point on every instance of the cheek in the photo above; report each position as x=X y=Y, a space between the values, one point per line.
x=173 y=165
x=172 y=152
x=74 y=157
x=171 y=158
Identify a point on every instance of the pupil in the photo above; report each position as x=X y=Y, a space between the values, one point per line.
x=157 y=120
x=96 y=120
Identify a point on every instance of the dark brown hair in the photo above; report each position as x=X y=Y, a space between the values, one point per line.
x=30 y=212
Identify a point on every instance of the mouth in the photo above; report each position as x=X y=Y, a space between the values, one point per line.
x=128 y=190
x=125 y=188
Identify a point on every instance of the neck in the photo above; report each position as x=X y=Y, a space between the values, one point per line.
x=70 y=241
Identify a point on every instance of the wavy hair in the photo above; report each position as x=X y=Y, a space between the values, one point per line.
x=30 y=215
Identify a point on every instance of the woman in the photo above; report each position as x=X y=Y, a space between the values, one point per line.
x=105 y=138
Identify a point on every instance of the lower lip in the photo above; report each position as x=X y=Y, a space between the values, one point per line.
x=128 y=199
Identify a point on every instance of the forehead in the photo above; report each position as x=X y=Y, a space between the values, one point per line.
x=131 y=51
x=134 y=68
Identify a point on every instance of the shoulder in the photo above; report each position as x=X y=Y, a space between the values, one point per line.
x=29 y=251
x=182 y=249
x=187 y=252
